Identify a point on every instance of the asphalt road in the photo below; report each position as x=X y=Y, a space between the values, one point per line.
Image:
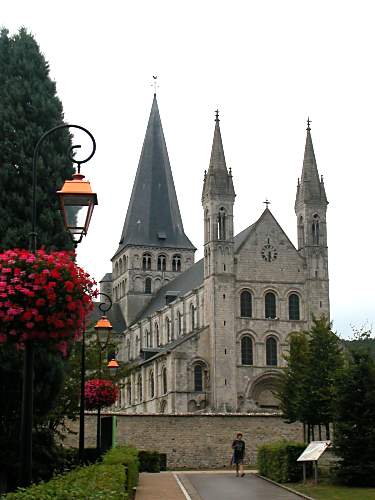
x=229 y=487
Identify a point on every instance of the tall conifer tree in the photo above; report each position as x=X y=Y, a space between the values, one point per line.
x=29 y=107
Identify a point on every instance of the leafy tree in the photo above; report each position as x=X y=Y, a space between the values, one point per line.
x=355 y=431
x=291 y=392
x=30 y=107
x=325 y=359
x=307 y=387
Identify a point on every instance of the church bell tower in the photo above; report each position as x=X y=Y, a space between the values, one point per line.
x=217 y=199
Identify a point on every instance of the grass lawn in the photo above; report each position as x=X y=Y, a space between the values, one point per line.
x=325 y=491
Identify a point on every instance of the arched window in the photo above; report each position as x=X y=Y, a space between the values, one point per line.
x=116 y=269
x=162 y=263
x=139 y=388
x=221 y=224
x=294 y=307
x=271 y=351
x=270 y=305
x=148 y=338
x=198 y=378
x=157 y=335
x=151 y=384
x=176 y=263
x=146 y=262
x=246 y=350
x=168 y=329
x=148 y=285
x=246 y=305
x=120 y=267
x=179 y=323
x=164 y=380
x=315 y=229
x=192 y=316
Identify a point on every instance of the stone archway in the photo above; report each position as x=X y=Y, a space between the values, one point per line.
x=262 y=390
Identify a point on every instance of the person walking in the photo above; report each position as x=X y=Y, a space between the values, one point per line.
x=238 y=447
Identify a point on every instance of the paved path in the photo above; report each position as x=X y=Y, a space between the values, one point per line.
x=229 y=487
x=162 y=486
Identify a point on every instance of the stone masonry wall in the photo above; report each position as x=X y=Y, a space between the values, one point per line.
x=194 y=441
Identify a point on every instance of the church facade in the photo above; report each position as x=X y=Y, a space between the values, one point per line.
x=211 y=335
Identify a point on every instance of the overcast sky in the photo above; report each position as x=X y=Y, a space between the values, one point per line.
x=266 y=65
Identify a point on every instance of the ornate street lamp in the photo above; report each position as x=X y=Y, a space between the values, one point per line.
x=27 y=409
x=77 y=203
x=113 y=367
x=103 y=329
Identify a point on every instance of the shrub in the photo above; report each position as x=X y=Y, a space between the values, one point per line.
x=101 y=480
x=149 y=461
x=278 y=461
x=128 y=457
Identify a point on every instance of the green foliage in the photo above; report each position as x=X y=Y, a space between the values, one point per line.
x=291 y=382
x=149 y=461
x=102 y=480
x=127 y=456
x=325 y=359
x=307 y=386
x=355 y=431
x=30 y=107
x=278 y=461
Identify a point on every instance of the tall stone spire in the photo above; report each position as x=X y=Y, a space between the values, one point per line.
x=153 y=217
x=217 y=180
x=310 y=187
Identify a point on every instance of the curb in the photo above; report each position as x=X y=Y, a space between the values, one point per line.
x=298 y=493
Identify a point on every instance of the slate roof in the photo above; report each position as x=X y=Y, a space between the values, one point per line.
x=153 y=217
x=114 y=315
x=311 y=187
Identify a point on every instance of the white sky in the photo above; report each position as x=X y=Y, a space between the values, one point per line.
x=266 y=65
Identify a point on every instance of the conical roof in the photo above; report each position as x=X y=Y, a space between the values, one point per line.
x=153 y=217
x=311 y=187
x=218 y=181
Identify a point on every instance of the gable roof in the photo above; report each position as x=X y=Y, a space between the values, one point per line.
x=243 y=236
x=153 y=217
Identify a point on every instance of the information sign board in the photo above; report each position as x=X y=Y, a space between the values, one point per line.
x=314 y=451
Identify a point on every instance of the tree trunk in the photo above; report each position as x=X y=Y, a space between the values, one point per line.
x=328 y=434
x=313 y=433
x=308 y=432
x=320 y=432
x=304 y=432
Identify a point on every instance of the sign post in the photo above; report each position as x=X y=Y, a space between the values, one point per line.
x=312 y=454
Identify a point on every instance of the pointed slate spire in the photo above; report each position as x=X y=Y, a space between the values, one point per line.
x=218 y=180
x=310 y=187
x=153 y=217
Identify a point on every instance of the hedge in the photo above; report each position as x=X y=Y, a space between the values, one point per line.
x=149 y=461
x=278 y=461
x=101 y=480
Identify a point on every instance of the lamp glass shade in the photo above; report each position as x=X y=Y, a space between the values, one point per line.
x=113 y=367
x=77 y=203
x=103 y=330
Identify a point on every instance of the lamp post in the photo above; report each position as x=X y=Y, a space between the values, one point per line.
x=103 y=330
x=28 y=367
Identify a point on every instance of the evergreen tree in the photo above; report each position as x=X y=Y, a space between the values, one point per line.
x=355 y=430
x=29 y=107
x=290 y=391
x=325 y=359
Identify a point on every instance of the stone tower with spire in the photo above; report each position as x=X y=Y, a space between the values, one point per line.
x=219 y=280
x=311 y=208
x=153 y=248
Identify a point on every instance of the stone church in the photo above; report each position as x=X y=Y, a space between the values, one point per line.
x=209 y=336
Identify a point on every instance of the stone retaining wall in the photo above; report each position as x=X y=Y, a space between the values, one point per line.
x=191 y=440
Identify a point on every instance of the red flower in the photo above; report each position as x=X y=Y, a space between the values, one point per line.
x=100 y=393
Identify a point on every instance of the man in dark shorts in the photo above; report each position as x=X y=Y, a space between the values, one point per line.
x=238 y=447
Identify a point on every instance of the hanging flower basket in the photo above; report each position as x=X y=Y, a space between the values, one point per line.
x=43 y=297
x=100 y=393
